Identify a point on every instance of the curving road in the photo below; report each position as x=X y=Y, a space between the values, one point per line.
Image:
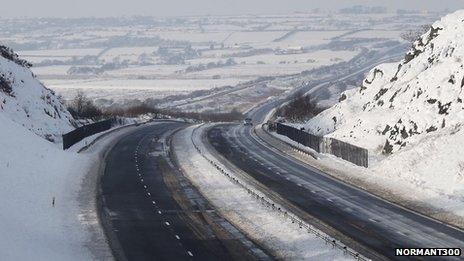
x=150 y=212
x=260 y=113
x=372 y=223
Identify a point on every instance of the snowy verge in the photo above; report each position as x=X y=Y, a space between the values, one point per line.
x=281 y=233
x=406 y=189
x=34 y=172
x=96 y=150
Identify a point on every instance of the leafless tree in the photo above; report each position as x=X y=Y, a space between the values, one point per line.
x=301 y=108
x=82 y=107
x=413 y=35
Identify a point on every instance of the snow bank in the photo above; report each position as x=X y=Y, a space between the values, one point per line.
x=33 y=171
x=275 y=231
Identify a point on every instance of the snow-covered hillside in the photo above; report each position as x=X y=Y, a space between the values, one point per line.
x=42 y=215
x=401 y=104
x=410 y=115
x=24 y=100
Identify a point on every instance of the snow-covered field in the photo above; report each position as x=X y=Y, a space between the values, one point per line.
x=267 y=226
x=311 y=38
x=36 y=56
x=376 y=34
x=150 y=55
x=160 y=85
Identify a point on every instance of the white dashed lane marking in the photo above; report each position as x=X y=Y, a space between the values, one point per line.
x=137 y=167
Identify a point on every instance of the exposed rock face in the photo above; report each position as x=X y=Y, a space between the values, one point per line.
x=9 y=54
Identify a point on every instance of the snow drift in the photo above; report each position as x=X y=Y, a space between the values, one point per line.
x=24 y=100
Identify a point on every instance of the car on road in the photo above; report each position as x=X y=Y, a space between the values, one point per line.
x=248 y=122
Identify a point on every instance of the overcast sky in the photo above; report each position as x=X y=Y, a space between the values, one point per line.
x=80 y=8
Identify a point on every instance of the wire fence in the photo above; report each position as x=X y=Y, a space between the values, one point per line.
x=341 y=149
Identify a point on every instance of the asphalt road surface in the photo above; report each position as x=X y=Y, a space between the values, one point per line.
x=366 y=219
x=142 y=217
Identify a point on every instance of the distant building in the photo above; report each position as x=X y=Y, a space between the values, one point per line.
x=289 y=50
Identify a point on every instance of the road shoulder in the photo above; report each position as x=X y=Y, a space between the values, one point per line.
x=89 y=194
